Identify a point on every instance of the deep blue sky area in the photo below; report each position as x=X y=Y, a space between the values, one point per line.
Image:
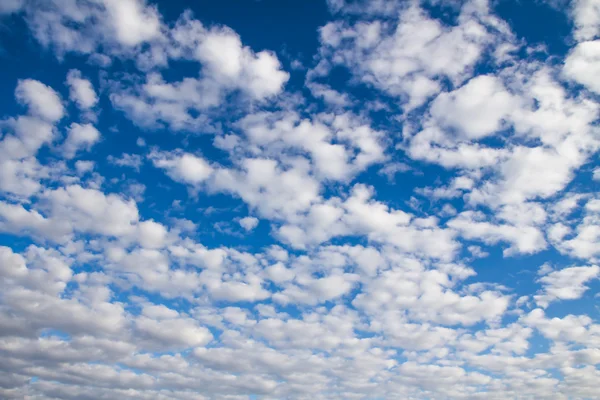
x=285 y=26
x=539 y=23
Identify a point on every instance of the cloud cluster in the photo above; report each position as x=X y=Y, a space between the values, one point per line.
x=417 y=219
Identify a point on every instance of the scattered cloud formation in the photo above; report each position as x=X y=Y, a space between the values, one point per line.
x=380 y=199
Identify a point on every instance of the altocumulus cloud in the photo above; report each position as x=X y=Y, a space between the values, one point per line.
x=299 y=200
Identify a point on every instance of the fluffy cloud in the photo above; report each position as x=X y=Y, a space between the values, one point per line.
x=132 y=21
x=583 y=63
x=566 y=284
x=586 y=17
x=91 y=210
x=81 y=90
x=42 y=100
x=163 y=326
x=523 y=238
x=404 y=64
x=227 y=67
x=249 y=223
x=476 y=109
x=581 y=240
x=83 y=26
x=80 y=137
x=231 y=64
x=21 y=172
x=185 y=168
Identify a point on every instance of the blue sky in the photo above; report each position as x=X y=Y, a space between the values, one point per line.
x=292 y=200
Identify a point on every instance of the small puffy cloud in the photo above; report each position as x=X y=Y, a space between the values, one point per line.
x=522 y=238
x=339 y=147
x=183 y=167
x=475 y=110
x=133 y=21
x=84 y=26
x=566 y=284
x=81 y=90
x=232 y=64
x=165 y=328
x=80 y=137
x=90 y=210
x=83 y=167
x=581 y=240
x=20 y=171
x=312 y=291
x=41 y=99
x=426 y=296
x=249 y=223
x=273 y=190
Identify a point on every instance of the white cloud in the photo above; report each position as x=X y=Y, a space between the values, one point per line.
x=314 y=291
x=330 y=96
x=274 y=191
x=356 y=145
x=232 y=64
x=582 y=241
x=566 y=284
x=404 y=63
x=184 y=167
x=523 y=239
x=85 y=25
x=586 y=17
x=475 y=110
x=156 y=103
x=236 y=291
x=41 y=100
x=20 y=171
x=134 y=161
x=133 y=21
x=278 y=273
x=81 y=90
x=541 y=110
x=583 y=64
x=12 y=265
x=80 y=137
x=89 y=210
x=249 y=223
x=570 y=328
x=152 y=234
x=426 y=296
x=84 y=167
x=359 y=214
x=228 y=67
x=165 y=328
